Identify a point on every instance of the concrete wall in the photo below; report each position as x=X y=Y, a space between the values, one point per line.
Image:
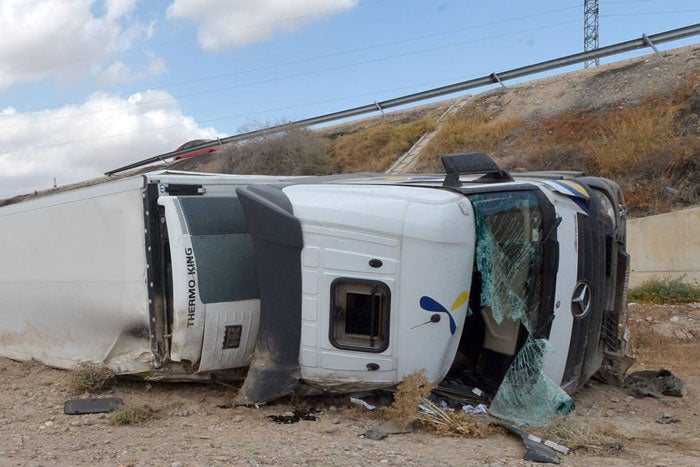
x=665 y=245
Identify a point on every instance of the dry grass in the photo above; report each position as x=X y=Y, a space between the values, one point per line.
x=376 y=148
x=90 y=378
x=645 y=147
x=412 y=392
x=636 y=138
x=653 y=350
x=470 y=130
x=409 y=395
x=576 y=433
x=683 y=442
x=132 y=415
x=453 y=423
x=294 y=152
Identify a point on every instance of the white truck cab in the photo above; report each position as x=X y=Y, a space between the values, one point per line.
x=335 y=283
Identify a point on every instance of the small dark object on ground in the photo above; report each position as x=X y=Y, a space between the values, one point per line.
x=375 y=434
x=294 y=418
x=654 y=383
x=534 y=451
x=84 y=406
x=667 y=418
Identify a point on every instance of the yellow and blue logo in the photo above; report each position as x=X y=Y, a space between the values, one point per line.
x=431 y=305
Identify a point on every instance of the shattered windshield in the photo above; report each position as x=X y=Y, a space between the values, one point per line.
x=509 y=254
x=509 y=259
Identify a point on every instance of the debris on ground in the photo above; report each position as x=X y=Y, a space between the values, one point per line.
x=667 y=418
x=293 y=417
x=362 y=403
x=535 y=449
x=452 y=389
x=470 y=409
x=452 y=423
x=375 y=434
x=94 y=405
x=653 y=383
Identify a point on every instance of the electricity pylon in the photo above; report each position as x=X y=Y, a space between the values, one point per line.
x=590 y=30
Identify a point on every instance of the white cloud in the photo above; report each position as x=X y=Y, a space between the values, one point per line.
x=117 y=72
x=120 y=72
x=234 y=23
x=79 y=142
x=118 y=8
x=43 y=38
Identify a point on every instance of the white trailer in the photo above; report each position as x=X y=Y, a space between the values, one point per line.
x=331 y=283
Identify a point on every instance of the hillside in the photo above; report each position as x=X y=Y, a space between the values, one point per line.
x=634 y=121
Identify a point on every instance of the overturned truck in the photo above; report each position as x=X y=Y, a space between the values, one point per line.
x=514 y=283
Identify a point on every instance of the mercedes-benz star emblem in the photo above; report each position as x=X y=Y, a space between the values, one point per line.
x=581 y=301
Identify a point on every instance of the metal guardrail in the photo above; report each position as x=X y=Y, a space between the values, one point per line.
x=621 y=47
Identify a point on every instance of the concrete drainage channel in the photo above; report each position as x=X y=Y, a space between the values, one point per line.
x=407 y=162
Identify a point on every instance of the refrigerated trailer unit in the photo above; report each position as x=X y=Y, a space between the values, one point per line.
x=335 y=283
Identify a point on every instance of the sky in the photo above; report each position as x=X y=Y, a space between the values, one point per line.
x=91 y=85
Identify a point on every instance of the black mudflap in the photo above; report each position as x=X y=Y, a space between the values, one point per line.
x=277 y=241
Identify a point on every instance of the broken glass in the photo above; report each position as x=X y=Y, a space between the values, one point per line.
x=527 y=396
x=509 y=255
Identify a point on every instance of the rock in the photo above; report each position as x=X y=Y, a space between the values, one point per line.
x=683 y=334
x=375 y=434
x=667 y=418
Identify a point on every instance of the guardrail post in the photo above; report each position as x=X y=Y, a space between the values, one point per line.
x=650 y=43
x=496 y=79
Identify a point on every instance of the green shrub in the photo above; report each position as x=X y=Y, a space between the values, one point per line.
x=666 y=290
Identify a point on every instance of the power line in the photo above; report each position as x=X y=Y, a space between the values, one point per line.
x=644 y=13
x=609 y=50
x=292 y=76
x=294 y=62
x=319 y=57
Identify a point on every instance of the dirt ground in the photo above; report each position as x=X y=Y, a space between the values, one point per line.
x=192 y=426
